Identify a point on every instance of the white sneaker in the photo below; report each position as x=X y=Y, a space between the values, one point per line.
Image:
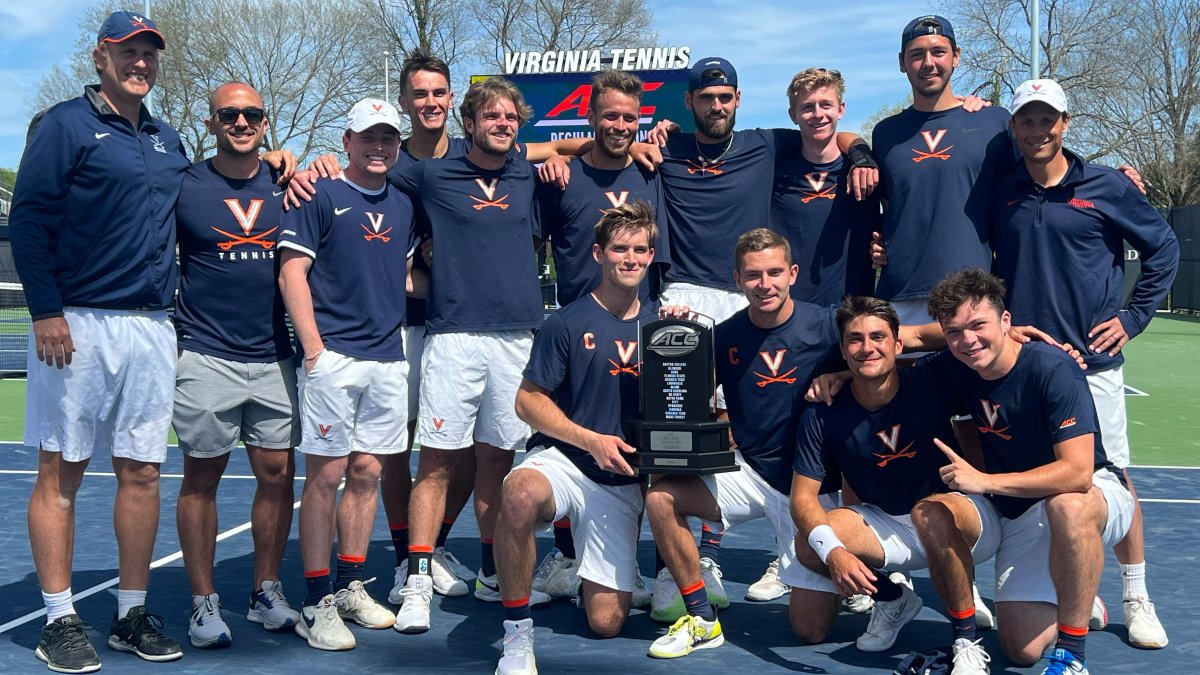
x=769 y=586
x=206 y=628
x=983 y=616
x=666 y=604
x=563 y=581
x=970 y=658
x=710 y=574
x=641 y=594
x=860 y=604
x=452 y=563
x=1145 y=630
x=1099 y=618
x=550 y=567
x=1063 y=662
x=323 y=628
x=445 y=582
x=687 y=635
x=887 y=618
x=415 y=599
x=902 y=579
x=398 y=583
x=488 y=590
x=354 y=604
x=518 y=649
x=271 y=608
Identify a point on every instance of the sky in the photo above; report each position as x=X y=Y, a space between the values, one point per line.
x=768 y=41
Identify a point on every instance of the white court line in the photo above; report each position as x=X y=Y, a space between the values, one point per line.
x=1169 y=501
x=109 y=474
x=1161 y=466
x=19 y=621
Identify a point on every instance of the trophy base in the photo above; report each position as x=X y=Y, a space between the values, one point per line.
x=687 y=448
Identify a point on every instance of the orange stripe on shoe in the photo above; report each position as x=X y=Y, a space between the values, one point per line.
x=1071 y=630
x=516 y=603
x=699 y=585
x=313 y=574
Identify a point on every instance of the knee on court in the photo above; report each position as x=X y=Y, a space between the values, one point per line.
x=1020 y=650
x=606 y=624
x=811 y=622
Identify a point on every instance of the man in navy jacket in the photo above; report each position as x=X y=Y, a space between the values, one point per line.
x=1057 y=227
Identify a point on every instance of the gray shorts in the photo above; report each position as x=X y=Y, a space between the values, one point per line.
x=219 y=402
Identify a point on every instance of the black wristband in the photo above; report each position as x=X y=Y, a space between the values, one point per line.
x=861 y=157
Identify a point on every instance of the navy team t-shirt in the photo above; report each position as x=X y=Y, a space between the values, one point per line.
x=457 y=146
x=830 y=231
x=887 y=456
x=1043 y=400
x=589 y=361
x=568 y=219
x=229 y=303
x=938 y=171
x=708 y=206
x=484 y=275
x=359 y=243
x=765 y=373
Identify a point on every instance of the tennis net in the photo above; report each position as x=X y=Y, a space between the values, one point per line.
x=14 y=329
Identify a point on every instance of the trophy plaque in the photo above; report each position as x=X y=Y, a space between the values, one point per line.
x=678 y=432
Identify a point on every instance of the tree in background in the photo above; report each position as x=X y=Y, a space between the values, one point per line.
x=1131 y=71
x=310 y=59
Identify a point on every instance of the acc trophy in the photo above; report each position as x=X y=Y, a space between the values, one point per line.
x=678 y=432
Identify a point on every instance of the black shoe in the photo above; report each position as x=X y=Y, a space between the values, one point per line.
x=139 y=633
x=65 y=647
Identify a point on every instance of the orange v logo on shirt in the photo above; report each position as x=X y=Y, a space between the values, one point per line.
x=816 y=181
x=991 y=413
x=891 y=439
x=376 y=220
x=774 y=363
x=489 y=191
x=932 y=141
x=246 y=220
x=625 y=351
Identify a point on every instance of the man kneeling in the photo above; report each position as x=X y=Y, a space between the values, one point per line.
x=1059 y=501
x=581 y=382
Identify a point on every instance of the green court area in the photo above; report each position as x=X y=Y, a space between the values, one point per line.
x=1164 y=425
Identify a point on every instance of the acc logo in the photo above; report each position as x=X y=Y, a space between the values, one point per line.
x=674 y=341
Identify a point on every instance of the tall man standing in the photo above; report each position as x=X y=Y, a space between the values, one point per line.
x=343 y=278
x=93 y=234
x=235 y=378
x=1058 y=229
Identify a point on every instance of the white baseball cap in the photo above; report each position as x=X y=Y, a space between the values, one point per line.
x=371 y=111
x=1046 y=91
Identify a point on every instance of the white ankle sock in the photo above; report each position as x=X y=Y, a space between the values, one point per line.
x=127 y=600
x=58 y=605
x=1133 y=579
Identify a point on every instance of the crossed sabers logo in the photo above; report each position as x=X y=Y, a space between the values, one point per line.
x=246 y=220
x=616 y=199
x=695 y=167
x=816 y=181
x=625 y=351
x=489 y=189
x=932 y=140
x=891 y=440
x=774 y=363
x=138 y=22
x=323 y=432
x=991 y=412
x=376 y=223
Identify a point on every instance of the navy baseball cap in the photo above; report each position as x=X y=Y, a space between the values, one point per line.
x=120 y=26
x=927 y=25
x=713 y=71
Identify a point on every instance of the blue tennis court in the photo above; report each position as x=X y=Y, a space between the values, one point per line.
x=466 y=633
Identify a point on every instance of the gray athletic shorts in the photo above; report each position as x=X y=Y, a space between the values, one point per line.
x=219 y=402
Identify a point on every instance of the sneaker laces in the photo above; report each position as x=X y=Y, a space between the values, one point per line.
x=664 y=587
x=275 y=596
x=519 y=641
x=148 y=625
x=686 y=622
x=709 y=565
x=451 y=562
x=411 y=592
x=73 y=635
x=357 y=592
x=973 y=655
x=882 y=614
x=1060 y=662
x=772 y=570
x=1141 y=606
x=205 y=610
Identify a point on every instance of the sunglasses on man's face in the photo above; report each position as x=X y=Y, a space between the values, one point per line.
x=230 y=115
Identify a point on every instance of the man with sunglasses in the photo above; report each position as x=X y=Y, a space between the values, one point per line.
x=235 y=378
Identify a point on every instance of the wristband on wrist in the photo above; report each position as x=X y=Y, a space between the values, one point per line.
x=861 y=157
x=823 y=540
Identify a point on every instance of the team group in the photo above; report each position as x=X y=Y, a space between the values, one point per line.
x=995 y=431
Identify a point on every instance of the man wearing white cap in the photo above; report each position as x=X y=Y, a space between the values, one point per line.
x=1057 y=228
x=343 y=277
